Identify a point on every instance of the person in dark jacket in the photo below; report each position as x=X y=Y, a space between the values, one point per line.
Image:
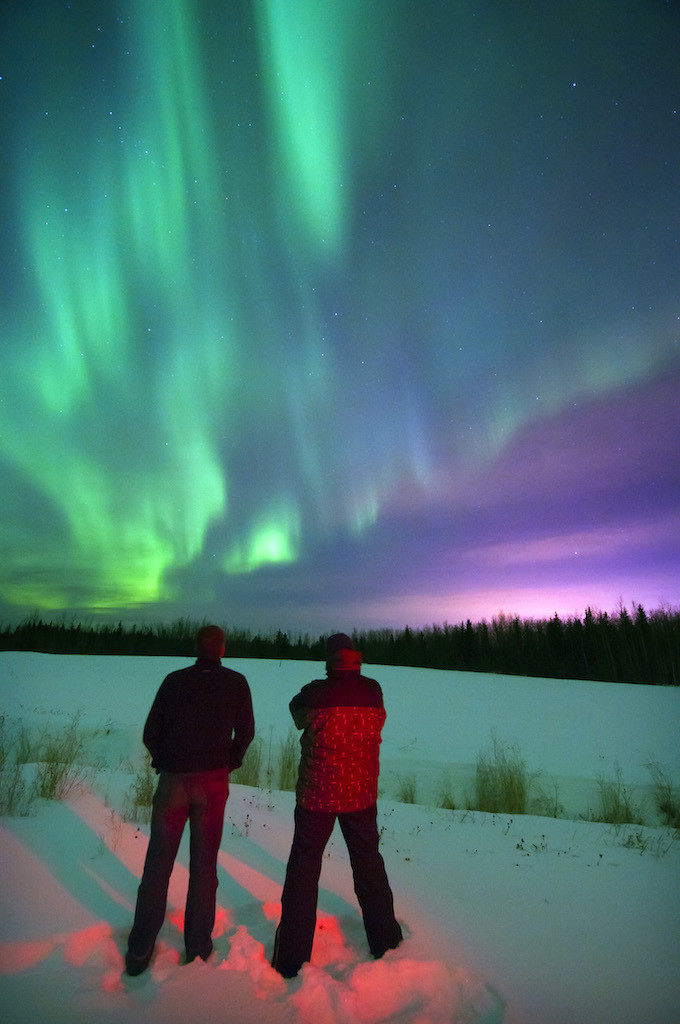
x=341 y=718
x=197 y=731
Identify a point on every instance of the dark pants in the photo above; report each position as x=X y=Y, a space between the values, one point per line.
x=295 y=934
x=200 y=798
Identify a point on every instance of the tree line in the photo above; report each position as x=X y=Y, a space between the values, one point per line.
x=621 y=647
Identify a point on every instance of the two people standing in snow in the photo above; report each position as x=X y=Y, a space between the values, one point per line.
x=198 y=730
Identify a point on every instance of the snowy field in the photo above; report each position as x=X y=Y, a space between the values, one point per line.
x=521 y=920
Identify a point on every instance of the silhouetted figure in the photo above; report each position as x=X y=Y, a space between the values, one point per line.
x=198 y=730
x=342 y=718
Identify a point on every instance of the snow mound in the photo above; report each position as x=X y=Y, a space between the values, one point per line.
x=401 y=991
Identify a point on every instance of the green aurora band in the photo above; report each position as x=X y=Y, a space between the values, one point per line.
x=132 y=244
x=238 y=332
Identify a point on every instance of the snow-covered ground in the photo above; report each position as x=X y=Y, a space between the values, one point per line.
x=520 y=919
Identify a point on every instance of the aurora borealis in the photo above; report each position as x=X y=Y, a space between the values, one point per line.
x=318 y=316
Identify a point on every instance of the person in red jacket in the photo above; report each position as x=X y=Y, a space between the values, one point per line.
x=341 y=718
x=197 y=731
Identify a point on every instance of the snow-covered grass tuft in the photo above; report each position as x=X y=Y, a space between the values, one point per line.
x=446 y=799
x=285 y=768
x=666 y=795
x=250 y=772
x=139 y=797
x=60 y=766
x=616 y=805
x=15 y=796
x=48 y=766
x=407 y=789
x=502 y=781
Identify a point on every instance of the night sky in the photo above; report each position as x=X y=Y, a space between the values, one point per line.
x=332 y=315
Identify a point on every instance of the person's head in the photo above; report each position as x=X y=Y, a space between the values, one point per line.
x=210 y=643
x=341 y=654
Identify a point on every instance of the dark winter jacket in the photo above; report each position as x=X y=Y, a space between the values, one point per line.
x=200 y=720
x=342 y=719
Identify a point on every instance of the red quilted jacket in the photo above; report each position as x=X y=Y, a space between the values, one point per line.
x=342 y=719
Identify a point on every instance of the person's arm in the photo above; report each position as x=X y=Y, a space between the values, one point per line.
x=153 y=726
x=244 y=730
x=299 y=710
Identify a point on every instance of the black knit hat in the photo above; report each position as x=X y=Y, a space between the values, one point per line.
x=338 y=642
x=210 y=642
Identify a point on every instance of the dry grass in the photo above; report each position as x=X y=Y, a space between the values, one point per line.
x=616 y=805
x=407 y=789
x=666 y=795
x=501 y=781
x=286 y=767
x=139 y=797
x=250 y=771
